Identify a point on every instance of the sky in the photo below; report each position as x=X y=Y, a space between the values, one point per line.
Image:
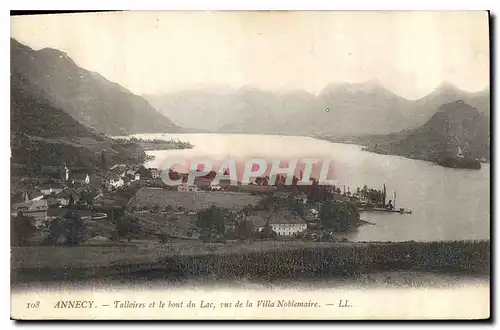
x=409 y=53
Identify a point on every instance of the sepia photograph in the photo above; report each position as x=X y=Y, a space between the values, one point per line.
x=250 y=165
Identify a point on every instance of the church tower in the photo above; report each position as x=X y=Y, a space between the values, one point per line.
x=67 y=174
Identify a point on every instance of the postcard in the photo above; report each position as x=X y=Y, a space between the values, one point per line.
x=277 y=165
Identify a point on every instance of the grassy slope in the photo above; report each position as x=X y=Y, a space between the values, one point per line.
x=42 y=134
x=259 y=259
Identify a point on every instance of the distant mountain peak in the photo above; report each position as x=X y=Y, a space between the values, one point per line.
x=373 y=82
x=447 y=87
x=370 y=86
x=91 y=99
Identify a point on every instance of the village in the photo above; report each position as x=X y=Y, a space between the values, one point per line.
x=130 y=204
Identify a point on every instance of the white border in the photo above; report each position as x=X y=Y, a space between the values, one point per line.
x=191 y=5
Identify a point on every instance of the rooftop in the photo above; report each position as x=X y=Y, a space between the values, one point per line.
x=67 y=193
x=284 y=216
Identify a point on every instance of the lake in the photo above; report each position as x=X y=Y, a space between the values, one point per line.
x=447 y=204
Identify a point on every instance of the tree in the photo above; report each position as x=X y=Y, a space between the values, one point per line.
x=21 y=229
x=211 y=220
x=338 y=216
x=71 y=229
x=245 y=229
x=103 y=161
x=268 y=232
x=56 y=231
x=144 y=172
x=375 y=196
x=155 y=208
x=127 y=225
x=297 y=207
x=162 y=238
x=74 y=228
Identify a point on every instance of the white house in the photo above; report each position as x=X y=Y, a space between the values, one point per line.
x=37 y=210
x=314 y=214
x=285 y=223
x=288 y=229
x=155 y=173
x=137 y=176
x=215 y=187
x=117 y=182
x=187 y=187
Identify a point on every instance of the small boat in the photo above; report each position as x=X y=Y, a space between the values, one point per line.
x=389 y=209
x=383 y=209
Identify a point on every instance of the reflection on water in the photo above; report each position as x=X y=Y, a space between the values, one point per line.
x=447 y=204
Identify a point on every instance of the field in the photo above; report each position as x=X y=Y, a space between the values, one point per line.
x=192 y=201
x=262 y=260
x=179 y=225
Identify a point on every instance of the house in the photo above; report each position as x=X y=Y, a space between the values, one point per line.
x=155 y=173
x=258 y=219
x=33 y=196
x=115 y=178
x=36 y=209
x=313 y=214
x=215 y=187
x=87 y=194
x=137 y=176
x=203 y=182
x=52 y=188
x=51 y=200
x=80 y=177
x=118 y=166
x=285 y=223
x=116 y=182
x=187 y=187
x=68 y=196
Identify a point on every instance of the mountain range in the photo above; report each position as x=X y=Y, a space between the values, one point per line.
x=63 y=113
x=87 y=96
x=339 y=109
x=454 y=126
x=43 y=133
